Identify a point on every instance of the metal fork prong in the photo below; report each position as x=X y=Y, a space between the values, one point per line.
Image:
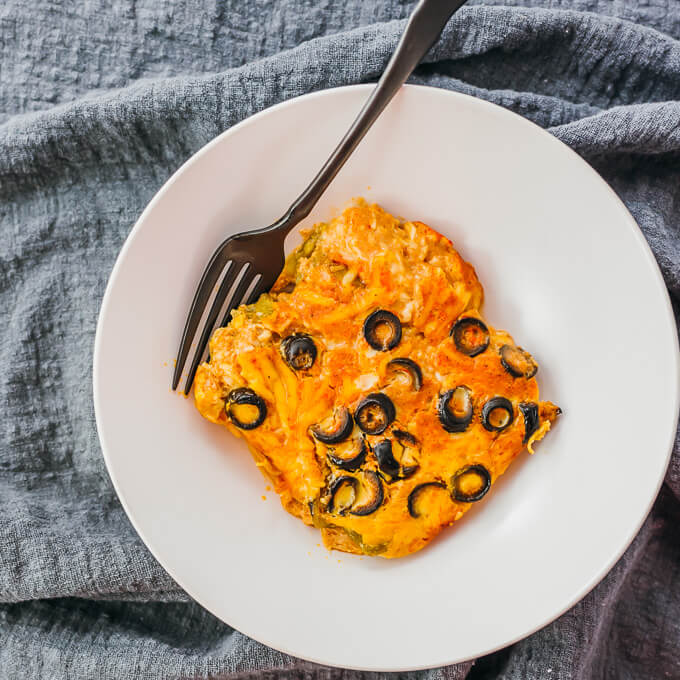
x=259 y=288
x=422 y=31
x=225 y=286
x=239 y=293
x=205 y=288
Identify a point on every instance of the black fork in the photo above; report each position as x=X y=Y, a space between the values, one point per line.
x=258 y=256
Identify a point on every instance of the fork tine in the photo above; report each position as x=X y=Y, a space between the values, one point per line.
x=227 y=282
x=237 y=297
x=260 y=287
x=210 y=277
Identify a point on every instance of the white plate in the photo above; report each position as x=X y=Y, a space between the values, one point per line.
x=565 y=269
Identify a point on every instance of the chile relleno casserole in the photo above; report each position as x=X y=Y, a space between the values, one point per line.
x=369 y=388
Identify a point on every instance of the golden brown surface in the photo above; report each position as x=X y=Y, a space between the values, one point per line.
x=360 y=262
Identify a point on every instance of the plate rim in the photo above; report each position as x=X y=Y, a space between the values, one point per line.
x=626 y=217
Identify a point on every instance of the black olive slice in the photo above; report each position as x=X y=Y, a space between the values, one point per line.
x=397 y=459
x=470 y=336
x=404 y=450
x=334 y=429
x=417 y=493
x=454 y=409
x=356 y=496
x=408 y=471
x=343 y=492
x=349 y=455
x=530 y=412
x=299 y=351
x=245 y=408
x=405 y=437
x=470 y=483
x=382 y=330
x=410 y=368
x=374 y=413
x=386 y=460
x=370 y=495
x=518 y=362
x=497 y=414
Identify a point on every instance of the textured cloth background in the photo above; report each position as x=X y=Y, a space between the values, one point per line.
x=100 y=101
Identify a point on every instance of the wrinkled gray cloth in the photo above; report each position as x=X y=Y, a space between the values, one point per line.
x=100 y=102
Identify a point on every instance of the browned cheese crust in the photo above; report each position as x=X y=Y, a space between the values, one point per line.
x=372 y=500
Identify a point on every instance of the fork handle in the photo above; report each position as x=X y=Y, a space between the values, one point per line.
x=422 y=31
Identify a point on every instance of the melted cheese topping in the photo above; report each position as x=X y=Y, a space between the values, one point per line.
x=362 y=261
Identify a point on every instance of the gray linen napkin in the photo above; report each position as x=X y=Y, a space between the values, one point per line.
x=99 y=103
